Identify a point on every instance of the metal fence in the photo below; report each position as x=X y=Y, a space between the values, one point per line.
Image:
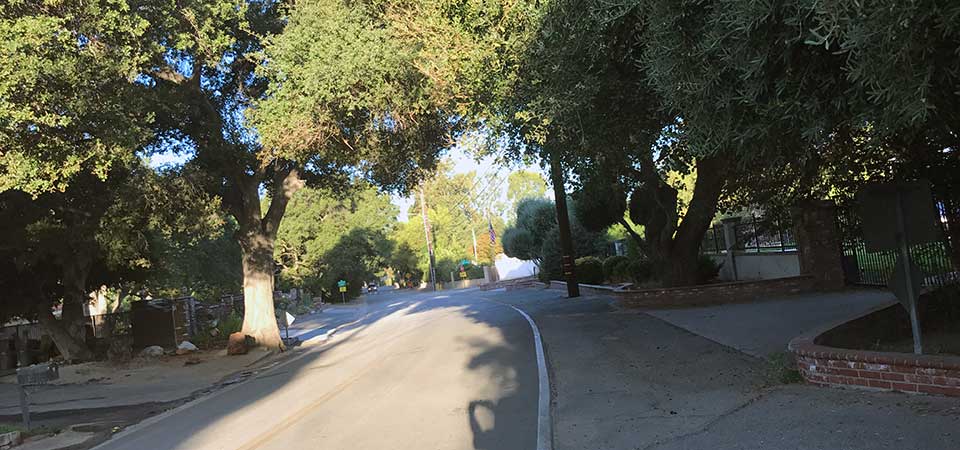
x=753 y=235
x=875 y=268
x=103 y=326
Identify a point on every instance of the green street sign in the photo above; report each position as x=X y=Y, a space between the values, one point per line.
x=464 y=262
x=342 y=283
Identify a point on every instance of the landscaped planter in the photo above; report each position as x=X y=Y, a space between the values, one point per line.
x=874 y=370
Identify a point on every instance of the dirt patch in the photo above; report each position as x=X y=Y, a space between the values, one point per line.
x=888 y=330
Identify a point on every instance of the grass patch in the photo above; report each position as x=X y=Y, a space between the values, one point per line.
x=781 y=368
x=4 y=428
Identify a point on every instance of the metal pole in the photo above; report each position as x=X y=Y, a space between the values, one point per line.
x=563 y=226
x=473 y=230
x=25 y=407
x=908 y=275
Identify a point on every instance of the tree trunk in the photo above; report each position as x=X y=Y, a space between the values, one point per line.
x=67 y=343
x=681 y=259
x=257 y=235
x=563 y=226
x=69 y=333
x=259 y=318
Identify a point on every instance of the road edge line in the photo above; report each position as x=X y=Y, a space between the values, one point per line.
x=544 y=422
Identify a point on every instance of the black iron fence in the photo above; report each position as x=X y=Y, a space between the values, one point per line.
x=753 y=235
x=875 y=268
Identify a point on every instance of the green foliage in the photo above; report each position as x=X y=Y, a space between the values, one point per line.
x=589 y=270
x=350 y=94
x=356 y=257
x=67 y=102
x=614 y=268
x=781 y=368
x=525 y=239
x=317 y=222
x=642 y=270
x=231 y=324
x=459 y=206
x=707 y=269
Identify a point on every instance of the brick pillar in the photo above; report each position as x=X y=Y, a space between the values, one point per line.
x=818 y=243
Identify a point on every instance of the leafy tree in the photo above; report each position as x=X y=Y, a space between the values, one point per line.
x=97 y=232
x=457 y=206
x=67 y=98
x=356 y=258
x=524 y=184
x=524 y=240
x=317 y=222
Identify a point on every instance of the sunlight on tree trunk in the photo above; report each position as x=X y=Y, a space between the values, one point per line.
x=259 y=318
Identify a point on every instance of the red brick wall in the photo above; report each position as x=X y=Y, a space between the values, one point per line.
x=828 y=366
x=714 y=294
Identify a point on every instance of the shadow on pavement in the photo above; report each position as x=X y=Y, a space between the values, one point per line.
x=502 y=421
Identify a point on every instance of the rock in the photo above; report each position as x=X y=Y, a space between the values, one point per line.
x=11 y=439
x=238 y=344
x=153 y=351
x=186 y=347
x=120 y=349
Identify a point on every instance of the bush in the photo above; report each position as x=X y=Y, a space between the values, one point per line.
x=611 y=267
x=640 y=270
x=589 y=270
x=707 y=269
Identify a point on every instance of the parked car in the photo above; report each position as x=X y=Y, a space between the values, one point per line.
x=372 y=288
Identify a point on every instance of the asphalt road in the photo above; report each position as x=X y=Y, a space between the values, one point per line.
x=448 y=371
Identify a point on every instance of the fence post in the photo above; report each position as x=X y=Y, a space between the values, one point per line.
x=730 y=241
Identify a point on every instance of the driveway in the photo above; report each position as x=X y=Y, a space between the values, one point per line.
x=764 y=328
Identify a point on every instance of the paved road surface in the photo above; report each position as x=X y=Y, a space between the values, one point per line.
x=419 y=371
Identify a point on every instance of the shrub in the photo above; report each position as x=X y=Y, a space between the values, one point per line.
x=611 y=266
x=707 y=269
x=640 y=270
x=589 y=270
x=230 y=324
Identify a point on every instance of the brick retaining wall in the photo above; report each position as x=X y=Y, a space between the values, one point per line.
x=885 y=371
x=714 y=294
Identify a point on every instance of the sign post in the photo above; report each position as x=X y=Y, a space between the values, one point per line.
x=34 y=375
x=342 y=284
x=911 y=221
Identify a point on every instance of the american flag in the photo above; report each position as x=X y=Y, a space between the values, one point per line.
x=493 y=234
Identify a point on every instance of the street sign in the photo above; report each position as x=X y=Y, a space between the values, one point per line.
x=342 y=283
x=464 y=262
x=343 y=289
x=898 y=283
x=33 y=376
x=883 y=205
x=37 y=374
x=897 y=216
x=289 y=318
x=463 y=274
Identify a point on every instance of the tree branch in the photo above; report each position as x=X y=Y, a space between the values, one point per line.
x=168 y=74
x=288 y=182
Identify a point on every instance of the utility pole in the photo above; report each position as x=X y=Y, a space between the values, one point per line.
x=426 y=232
x=563 y=225
x=473 y=230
